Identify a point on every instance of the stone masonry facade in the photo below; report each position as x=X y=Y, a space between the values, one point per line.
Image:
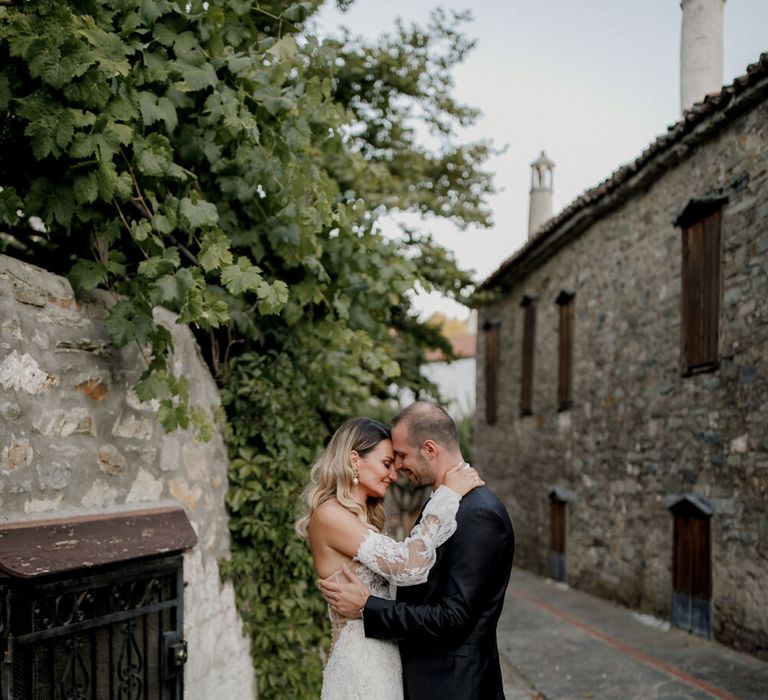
x=75 y=440
x=639 y=434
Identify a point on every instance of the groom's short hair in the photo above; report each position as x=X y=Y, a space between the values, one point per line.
x=427 y=421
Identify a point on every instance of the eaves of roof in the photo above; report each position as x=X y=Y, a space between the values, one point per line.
x=696 y=125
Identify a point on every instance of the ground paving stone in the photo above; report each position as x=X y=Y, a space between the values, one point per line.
x=558 y=643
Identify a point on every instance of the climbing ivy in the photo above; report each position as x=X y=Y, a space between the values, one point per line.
x=218 y=159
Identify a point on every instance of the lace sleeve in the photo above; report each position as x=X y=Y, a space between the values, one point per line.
x=408 y=563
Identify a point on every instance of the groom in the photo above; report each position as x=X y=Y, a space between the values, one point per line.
x=446 y=627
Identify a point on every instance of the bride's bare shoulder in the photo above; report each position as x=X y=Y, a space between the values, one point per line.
x=330 y=514
x=333 y=526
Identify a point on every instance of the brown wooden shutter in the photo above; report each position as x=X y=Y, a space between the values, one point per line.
x=700 y=297
x=529 y=338
x=565 y=351
x=491 y=371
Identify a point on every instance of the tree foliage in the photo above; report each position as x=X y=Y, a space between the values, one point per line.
x=218 y=159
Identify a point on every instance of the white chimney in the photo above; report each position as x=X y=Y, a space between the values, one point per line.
x=540 y=208
x=701 y=50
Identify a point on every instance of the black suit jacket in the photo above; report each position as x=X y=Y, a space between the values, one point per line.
x=446 y=627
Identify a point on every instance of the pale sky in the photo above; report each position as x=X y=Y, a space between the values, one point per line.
x=592 y=82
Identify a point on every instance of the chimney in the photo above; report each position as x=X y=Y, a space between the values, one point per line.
x=701 y=50
x=540 y=208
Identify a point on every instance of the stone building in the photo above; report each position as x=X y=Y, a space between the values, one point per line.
x=111 y=530
x=623 y=378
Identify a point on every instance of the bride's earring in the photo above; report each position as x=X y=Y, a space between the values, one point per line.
x=355 y=475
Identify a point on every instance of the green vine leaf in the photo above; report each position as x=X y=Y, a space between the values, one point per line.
x=102 y=144
x=203 y=425
x=154 y=384
x=197 y=214
x=10 y=204
x=154 y=109
x=154 y=157
x=272 y=297
x=170 y=290
x=242 y=277
x=128 y=322
x=215 y=251
x=173 y=416
x=86 y=275
x=86 y=187
x=159 y=265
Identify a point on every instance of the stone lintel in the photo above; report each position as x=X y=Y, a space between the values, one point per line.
x=691 y=505
x=561 y=495
x=43 y=547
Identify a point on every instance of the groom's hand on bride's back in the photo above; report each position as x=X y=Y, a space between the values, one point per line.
x=344 y=592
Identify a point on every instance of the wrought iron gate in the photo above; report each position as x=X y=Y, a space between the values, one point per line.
x=113 y=635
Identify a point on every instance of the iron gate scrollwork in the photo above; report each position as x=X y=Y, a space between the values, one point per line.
x=115 y=635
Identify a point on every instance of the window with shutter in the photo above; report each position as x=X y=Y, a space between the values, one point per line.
x=491 y=370
x=700 y=292
x=529 y=338
x=565 y=351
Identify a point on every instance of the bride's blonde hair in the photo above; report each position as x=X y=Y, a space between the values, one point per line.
x=331 y=475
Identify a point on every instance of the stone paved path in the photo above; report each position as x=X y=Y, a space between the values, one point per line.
x=561 y=644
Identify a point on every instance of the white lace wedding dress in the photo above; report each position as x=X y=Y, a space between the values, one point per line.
x=369 y=669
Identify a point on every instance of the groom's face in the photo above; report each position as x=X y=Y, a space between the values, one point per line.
x=409 y=459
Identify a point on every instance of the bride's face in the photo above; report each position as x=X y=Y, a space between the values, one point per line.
x=377 y=470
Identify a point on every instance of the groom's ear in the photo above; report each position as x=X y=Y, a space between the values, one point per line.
x=430 y=448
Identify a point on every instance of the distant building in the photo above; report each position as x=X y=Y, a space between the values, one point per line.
x=622 y=378
x=455 y=378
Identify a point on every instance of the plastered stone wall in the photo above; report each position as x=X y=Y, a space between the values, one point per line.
x=75 y=439
x=639 y=433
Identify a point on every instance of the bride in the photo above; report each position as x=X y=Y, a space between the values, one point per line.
x=343 y=518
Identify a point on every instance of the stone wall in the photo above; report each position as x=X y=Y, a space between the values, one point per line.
x=75 y=439
x=639 y=433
